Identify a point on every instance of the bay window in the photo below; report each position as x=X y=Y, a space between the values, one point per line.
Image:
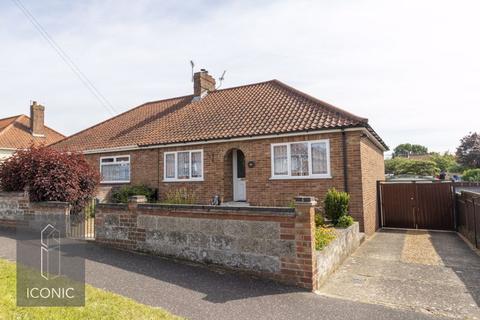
x=115 y=169
x=183 y=165
x=301 y=160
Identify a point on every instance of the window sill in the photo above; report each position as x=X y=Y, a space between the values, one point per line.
x=115 y=182
x=182 y=180
x=301 y=178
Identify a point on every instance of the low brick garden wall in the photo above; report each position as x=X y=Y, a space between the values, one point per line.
x=332 y=256
x=15 y=207
x=12 y=207
x=274 y=243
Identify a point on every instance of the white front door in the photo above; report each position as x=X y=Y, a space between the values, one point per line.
x=239 y=184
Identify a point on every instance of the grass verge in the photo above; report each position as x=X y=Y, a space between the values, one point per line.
x=99 y=304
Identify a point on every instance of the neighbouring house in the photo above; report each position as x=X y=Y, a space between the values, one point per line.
x=261 y=143
x=20 y=132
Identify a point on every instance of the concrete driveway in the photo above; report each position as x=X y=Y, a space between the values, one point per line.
x=430 y=272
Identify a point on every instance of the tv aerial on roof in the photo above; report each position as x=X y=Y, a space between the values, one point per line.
x=192 y=64
x=220 y=80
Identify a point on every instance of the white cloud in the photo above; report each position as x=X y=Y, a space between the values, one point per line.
x=411 y=67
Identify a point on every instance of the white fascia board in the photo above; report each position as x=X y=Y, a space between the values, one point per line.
x=281 y=135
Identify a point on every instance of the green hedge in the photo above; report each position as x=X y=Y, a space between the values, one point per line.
x=121 y=195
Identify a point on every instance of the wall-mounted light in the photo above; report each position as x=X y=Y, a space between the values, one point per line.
x=251 y=164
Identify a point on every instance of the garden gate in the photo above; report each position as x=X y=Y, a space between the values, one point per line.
x=81 y=225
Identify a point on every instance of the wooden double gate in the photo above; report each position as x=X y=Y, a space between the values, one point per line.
x=417 y=205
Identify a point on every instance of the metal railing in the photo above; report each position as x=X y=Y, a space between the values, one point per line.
x=81 y=225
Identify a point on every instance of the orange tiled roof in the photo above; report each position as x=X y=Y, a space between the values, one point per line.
x=6 y=121
x=15 y=133
x=252 y=110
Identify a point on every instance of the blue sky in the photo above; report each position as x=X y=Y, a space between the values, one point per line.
x=411 y=67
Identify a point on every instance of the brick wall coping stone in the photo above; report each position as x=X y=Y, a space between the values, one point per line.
x=12 y=194
x=284 y=211
x=118 y=206
x=50 y=204
x=205 y=209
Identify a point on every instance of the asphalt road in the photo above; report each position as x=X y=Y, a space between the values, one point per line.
x=199 y=293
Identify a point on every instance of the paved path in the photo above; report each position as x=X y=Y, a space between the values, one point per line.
x=198 y=293
x=433 y=272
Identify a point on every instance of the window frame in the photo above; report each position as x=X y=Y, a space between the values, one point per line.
x=115 y=162
x=175 y=153
x=289 y=176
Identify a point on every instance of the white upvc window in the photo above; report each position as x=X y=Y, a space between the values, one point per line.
x=115 y=169
x=183 y=165
x=301 y=160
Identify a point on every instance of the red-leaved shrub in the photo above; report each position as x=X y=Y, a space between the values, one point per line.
x=50 y=175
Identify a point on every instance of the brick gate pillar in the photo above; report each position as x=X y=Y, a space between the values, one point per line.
x=305 y=241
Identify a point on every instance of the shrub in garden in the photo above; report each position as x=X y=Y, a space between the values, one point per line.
x=471 y=175
x=50 y=175
x=344 y=222
x=122 y=194
x=336 y=204
x=180 y=196
x=323 y=236
x=319 y=220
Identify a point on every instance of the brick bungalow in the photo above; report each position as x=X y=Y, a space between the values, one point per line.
x=261 y=143
x=20 y=132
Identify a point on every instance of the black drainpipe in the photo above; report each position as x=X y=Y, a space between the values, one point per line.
x=345 y=161
x=158 y=174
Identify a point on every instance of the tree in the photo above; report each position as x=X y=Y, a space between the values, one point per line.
x=446 y=162
x=471 y=175
x=392 y=165
x=468 y=153
x=406 y=149
x=418 y=167
x=50 y=175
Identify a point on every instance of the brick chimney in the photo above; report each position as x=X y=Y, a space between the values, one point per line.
x=37 y=117
x=202 y=83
